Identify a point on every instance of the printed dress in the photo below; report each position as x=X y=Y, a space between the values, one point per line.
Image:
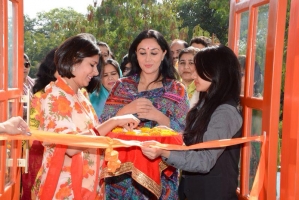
x=35 y=152
x=62 y=111
x=172 y=100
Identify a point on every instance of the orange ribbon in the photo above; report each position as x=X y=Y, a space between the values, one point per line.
x=109 y=143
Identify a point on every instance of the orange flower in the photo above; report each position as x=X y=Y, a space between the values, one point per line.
x=51 y=124
x=63 y=192
x=58 y=130
x=86 y=170
x=41 y=119
x=78 y=108
x=38 y=117
x=86 y=106
x=35 y=102
x=62 y=106
x=66 y=169
x=49 y=158
x=47 y=91
x=85 y=93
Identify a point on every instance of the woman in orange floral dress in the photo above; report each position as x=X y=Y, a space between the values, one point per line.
x=72 y=172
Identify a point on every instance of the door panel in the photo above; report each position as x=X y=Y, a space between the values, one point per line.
x=256 y=31
x=290 y=132
x=11 y=76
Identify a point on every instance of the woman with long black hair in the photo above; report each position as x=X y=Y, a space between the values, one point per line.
x=210 y=173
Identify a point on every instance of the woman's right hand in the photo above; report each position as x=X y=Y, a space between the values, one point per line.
x=15 y=125
x=128 y=121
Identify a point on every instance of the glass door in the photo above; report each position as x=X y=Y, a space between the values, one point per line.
x=11 y=76
x=256 y=34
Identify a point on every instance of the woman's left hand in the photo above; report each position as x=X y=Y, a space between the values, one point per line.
x=150 y=113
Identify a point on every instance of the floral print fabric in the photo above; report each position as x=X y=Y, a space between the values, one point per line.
x=171 y=99
x=35 y=152
x=62 y=111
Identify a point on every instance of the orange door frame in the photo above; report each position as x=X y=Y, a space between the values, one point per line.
x=13 y=95
x=269 y=104
x=289 y=188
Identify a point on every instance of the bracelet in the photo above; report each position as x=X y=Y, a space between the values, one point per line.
x=96 y=131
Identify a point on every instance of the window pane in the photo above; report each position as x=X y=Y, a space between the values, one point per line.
x=255 y=147
x=242 y=45
x=12 y=55
x=260 y=51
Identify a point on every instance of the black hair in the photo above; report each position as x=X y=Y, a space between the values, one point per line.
x=205 y=41
x=88 y=36
x=166 y=69
x=220 y=66
x=104 y=44
x=45 y=72
x=112 y=62
x=47 y=69
x=124 y=62
x=72 y=51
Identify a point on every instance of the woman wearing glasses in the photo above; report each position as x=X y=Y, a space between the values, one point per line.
x=28 y=83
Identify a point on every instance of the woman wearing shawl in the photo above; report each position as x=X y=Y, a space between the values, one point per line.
x=153 y=93
x=72 y=172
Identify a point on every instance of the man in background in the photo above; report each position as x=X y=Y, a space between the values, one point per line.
x=175 y=47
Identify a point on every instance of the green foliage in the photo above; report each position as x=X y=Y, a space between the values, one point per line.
x=243 y=33
x=119 y=22
x=116 y=22
x=210 y=15
x=48 y=30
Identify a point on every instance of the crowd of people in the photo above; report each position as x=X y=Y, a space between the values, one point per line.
x=81 y=89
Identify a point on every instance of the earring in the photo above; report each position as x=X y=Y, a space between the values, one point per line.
x=73 y=69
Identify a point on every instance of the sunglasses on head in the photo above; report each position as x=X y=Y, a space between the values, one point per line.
x=27 y=64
